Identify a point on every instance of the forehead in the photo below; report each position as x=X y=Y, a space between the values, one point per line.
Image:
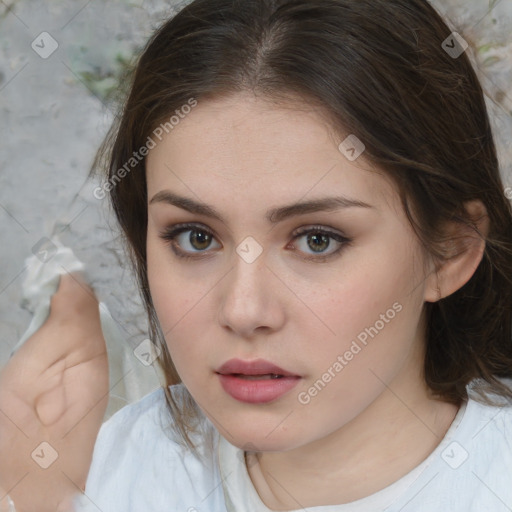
x=259 y=150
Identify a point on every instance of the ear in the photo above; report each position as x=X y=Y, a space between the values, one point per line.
x=464 y=249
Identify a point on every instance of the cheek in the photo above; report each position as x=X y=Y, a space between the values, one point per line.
x=181 y=305
x=352 y=367
x=370 y=312
x=176 y=294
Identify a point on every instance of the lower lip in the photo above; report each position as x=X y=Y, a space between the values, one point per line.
x=257 y=391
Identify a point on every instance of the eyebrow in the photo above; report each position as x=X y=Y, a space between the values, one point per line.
x=273 y=216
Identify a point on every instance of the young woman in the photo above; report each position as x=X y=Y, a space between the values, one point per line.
x=312 y=201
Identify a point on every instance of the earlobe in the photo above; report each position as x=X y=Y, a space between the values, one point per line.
x=464 y=248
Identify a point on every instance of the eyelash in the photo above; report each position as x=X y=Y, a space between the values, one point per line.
x=170 y=234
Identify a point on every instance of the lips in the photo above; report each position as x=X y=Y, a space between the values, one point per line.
x=256 y=368
x=255 y=382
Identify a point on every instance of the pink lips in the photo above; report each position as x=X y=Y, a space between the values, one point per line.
x=257 y=381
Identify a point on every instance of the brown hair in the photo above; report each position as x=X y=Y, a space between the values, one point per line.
x=379 y=69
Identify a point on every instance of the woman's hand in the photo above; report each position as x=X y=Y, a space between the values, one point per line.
x=53 y=396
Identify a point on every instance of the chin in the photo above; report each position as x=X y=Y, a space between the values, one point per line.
x=255 y=438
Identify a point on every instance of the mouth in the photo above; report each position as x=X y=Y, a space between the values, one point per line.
x=255 y=377
x=257 y=369
x=256 y=381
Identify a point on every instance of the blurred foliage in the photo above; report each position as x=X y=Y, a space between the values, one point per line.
x=106 y=85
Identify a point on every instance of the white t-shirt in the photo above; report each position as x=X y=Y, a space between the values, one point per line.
x=138 y=466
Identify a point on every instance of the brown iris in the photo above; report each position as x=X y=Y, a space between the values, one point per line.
x=202 y=239
x=321 y=242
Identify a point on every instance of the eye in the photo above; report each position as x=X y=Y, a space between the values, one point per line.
x=187 y=239
x=318 y=239
x=191 y=237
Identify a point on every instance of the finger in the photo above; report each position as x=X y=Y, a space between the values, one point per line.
x=74 y=310
x=73 y=291
x=51 y=405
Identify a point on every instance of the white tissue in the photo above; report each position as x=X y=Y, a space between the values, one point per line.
x=128 y=379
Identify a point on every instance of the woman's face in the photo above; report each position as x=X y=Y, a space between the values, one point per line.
x=331 y=293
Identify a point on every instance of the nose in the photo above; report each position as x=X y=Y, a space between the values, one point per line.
x=251 y=299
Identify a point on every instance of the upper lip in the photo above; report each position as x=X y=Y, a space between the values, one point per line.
x=255 y=367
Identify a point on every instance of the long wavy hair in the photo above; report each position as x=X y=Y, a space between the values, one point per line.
x=381 y=71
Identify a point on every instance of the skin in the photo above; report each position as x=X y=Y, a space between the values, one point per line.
x=243 y=156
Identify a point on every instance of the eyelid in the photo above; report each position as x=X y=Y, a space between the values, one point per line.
x=169 y=234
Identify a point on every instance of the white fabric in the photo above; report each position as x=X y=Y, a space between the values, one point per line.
x=41 y=282
x=129 y=379
x=139 y=466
